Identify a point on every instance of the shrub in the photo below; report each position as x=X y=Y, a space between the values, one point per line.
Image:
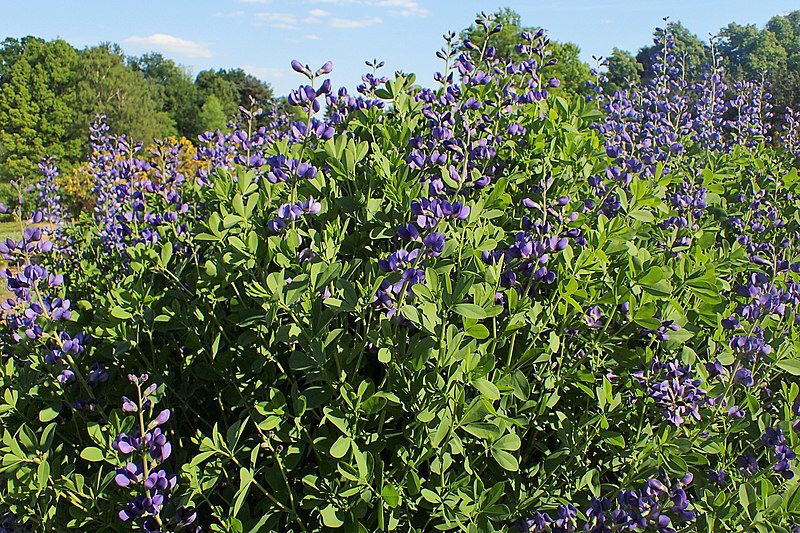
x=472 y=308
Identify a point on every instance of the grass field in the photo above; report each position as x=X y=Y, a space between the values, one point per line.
x=9 y=229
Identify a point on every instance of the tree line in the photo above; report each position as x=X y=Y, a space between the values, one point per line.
x=745 y=53
x=50 y=91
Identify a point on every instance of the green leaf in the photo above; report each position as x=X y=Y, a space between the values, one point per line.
x=245 y=480
x=487 y=388
x=747 y=497
x=340 y=447
x=470 y=311
x=659 y=288
x=445 y=425
x=47 y=414
x=505 y=459
x=43 y=475
x=329 y=517
x=642 y=215
x=390 y=495
x=653 y=275
x=614 y=439
x=477 y=331
x=120 y=313
x=791 y=498
x=166 y=253
x=791 y=366
x=510 y=442
x=482 y=430
x=93 y=454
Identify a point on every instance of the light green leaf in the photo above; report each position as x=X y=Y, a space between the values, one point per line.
x=470 y=311
x=505 y=460
x=340 y=447
x=93 y=454
x=487 y=388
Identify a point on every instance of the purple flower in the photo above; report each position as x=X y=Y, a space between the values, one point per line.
x=594 y=317
x=130 y=473
x=298 y=67
x=744 y=376
x=747 y=463
x=717 y=476
x=434 y=242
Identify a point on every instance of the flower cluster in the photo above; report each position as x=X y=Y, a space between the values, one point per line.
x=130 y=205
x=658 y=506
x=674 y=389
x=148 y=448
x=289 y=213
x=429 y=213
x=782 y=454
x=36 y=314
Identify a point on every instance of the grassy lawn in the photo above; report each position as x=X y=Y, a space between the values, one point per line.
x=9 y=229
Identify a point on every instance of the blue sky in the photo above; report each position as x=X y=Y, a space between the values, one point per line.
x=263 y=36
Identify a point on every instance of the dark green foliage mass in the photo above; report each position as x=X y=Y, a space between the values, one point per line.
x=50 y=92
x=746 y=52
x=106 y=85
x=37 y=102
x=692 y=53
x=569 y=69
x=623 y=69
x=176 y=89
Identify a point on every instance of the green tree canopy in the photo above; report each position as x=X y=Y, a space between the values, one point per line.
x=176 y=90
x=37 y=95
x=569 y=69
x=786 y=81
x=623 y=70
x=107 y=85
x=212 y=116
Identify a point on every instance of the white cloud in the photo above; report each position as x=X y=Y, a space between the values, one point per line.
x=286 y=21
x=169 y=43
x=402 y=8
x=315 y=16
x=230 y=14
x=264 y=73
x=312 y=37
x=405 y=8
x=343 y=23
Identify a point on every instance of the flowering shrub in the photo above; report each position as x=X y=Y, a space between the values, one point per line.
x=477 y=307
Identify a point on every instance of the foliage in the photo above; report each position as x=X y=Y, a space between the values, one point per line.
x=507 y=25
x=690 y=52
x=176 y=89
x=212 y=117
x=771 y=53
x=623 y=71
x=478 y=307
x=37 y=98
x=107 y=85
x=50 y=93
